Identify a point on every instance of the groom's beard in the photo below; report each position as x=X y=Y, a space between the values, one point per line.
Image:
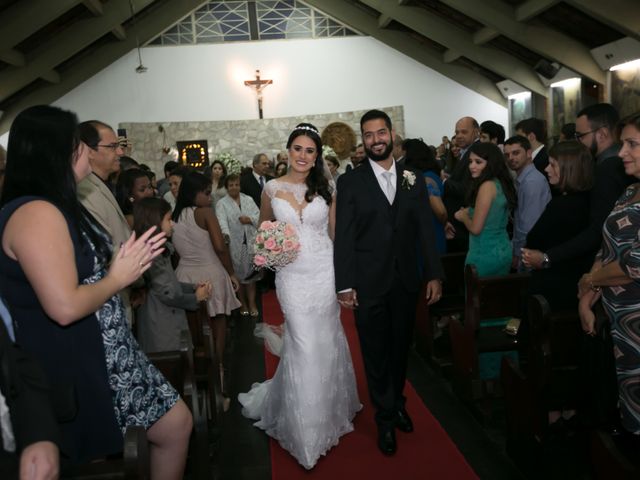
x=383 y=156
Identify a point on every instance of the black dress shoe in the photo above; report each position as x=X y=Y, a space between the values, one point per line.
x=387 y=441
x=403 y=421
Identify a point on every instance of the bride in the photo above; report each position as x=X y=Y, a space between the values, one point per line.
x=312 y=398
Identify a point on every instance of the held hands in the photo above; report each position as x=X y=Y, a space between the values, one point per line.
x=39 y=461
x=434 y=291
x=245 y=220
x=135 y=257
x=348 y=299
x=532 y=258
x=585 y=285
x=449 y=231
x=587 y=317
x=203 y=291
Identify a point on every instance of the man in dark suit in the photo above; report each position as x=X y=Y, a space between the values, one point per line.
x=253 y=182
x=384 y=250
x=458 y=183
x=535 y=130
x=31 y=446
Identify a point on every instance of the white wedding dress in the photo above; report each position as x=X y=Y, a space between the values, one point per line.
x=312 y=398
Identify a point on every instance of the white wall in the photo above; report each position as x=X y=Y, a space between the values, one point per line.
x=205 y=82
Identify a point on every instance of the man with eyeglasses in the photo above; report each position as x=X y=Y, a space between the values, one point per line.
x=595 y=126
x=95 y=192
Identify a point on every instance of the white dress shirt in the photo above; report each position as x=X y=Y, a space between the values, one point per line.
x=378 y=171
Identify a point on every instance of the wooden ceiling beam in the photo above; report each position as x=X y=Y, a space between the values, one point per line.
x=26 y=17
x=545 y=41
x=458 y=40
x=145 y=29
x=531 y=8
x=623 y=15
x=357 y=19
x=64 y=45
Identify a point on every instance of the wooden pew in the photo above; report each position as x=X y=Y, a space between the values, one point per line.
x=552 y=366
x=206 y=362
x=452 y=302
x=609 y=462
x=134 y=463
x=485 y=298
x=178 y=368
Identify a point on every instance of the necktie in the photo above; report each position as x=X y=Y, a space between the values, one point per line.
x=261 y=182
x=390 y=189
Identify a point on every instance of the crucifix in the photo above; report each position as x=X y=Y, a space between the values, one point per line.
x=258 y=84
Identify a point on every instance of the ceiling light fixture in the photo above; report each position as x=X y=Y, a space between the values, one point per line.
x=626 y=65
x=140 y=68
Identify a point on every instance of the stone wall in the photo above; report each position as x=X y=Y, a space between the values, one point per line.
x=242 y=138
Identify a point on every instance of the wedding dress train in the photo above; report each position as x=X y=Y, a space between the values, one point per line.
x=311 y=400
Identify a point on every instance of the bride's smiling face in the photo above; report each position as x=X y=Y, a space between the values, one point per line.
x=302 y=154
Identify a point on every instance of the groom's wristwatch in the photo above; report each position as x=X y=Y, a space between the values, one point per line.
x=546 y=263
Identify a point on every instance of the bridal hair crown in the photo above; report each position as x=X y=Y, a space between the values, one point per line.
x=304 y=127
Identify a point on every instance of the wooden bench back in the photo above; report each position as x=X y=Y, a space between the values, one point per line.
x=494 y=296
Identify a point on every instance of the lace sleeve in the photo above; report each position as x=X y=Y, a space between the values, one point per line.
x=270 y=188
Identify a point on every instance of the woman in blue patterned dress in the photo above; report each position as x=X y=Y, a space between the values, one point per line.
x=615 y=277
x=418 y=155
x=65 y=305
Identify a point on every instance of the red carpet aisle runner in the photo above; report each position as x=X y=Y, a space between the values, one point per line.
x=427 y=453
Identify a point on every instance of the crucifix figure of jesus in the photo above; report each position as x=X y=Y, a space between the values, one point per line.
x=258 y=84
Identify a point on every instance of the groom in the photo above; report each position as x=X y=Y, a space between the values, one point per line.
x=384 y=251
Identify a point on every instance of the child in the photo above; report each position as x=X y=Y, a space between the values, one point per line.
x=161 y=318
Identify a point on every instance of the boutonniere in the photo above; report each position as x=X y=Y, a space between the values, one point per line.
x=408 y=179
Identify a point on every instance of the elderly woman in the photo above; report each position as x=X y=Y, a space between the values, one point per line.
x=238 y=217
x=570 y=173
x=615 y=277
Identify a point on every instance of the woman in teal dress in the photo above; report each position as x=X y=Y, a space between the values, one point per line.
x=492 y=197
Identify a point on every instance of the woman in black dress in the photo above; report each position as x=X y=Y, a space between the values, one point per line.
x=53 y=274
x=570 y=173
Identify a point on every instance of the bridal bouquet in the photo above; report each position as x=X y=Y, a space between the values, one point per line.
x=276 y=245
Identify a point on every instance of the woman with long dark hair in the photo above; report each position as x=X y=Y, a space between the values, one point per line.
x=218 y=173
x=53 y=273
x=312 y=398
x=133 y=185
x=491 y=198
x=419 y=155
x=204 y=257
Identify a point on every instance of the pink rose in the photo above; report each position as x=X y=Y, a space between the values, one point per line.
x=266 y=225
x=289 y=231
x=288 y=245
x=259 y=260
x=277 y=249
x=269 y=244
x=259 y=239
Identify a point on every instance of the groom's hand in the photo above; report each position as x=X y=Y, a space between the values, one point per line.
x=348 y=299
x=434 y=291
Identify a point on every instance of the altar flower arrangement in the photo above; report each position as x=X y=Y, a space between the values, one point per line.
x=408 y=179
x=231 y=163
x=276 y=245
